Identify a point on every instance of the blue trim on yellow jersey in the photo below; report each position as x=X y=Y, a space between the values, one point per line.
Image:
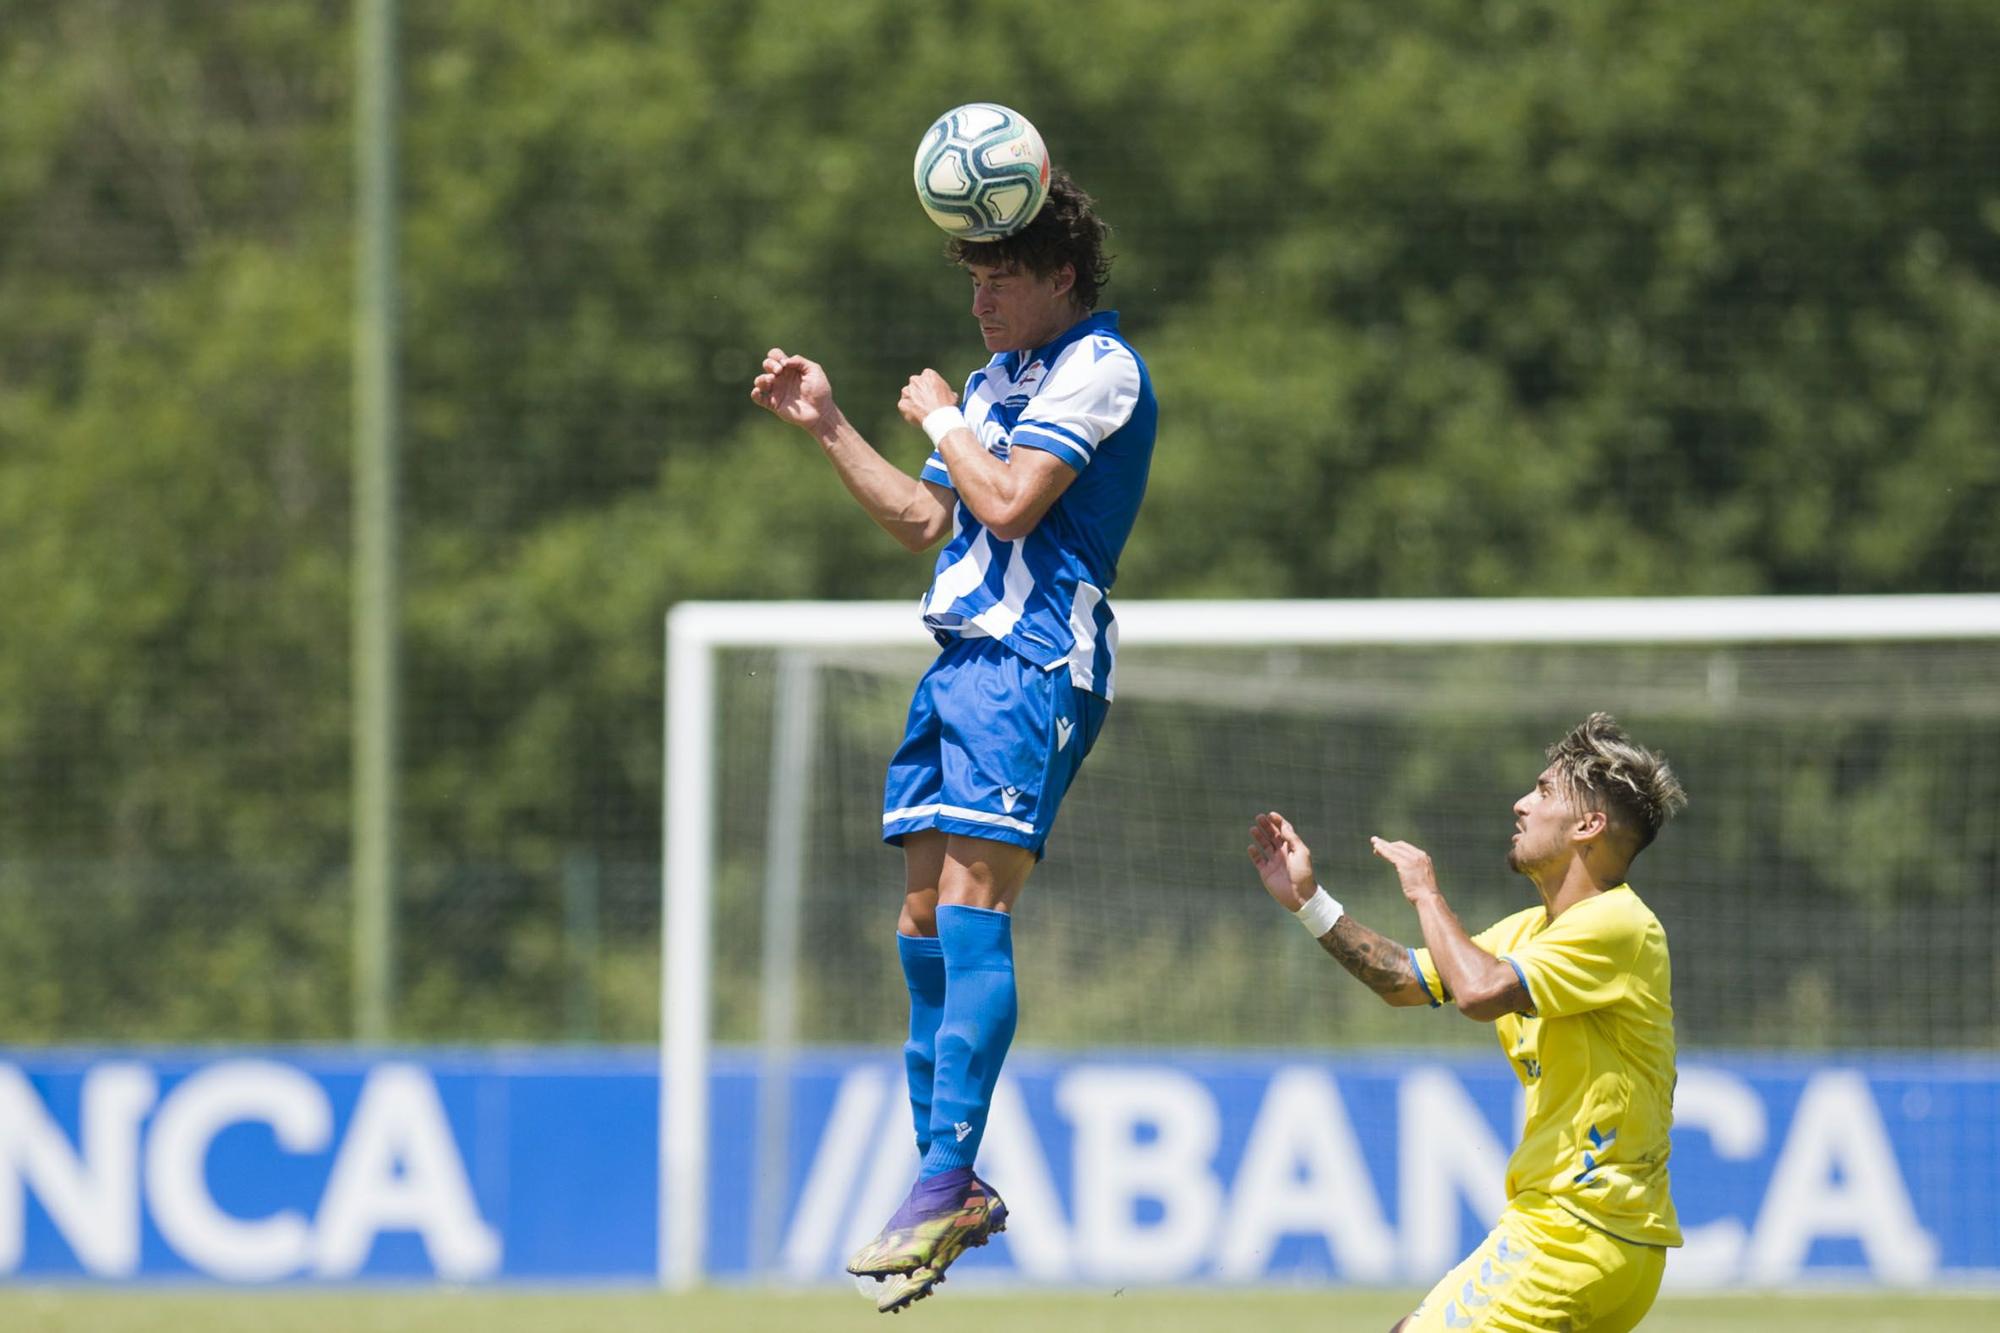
x=1508 y=959
x=1423 y=985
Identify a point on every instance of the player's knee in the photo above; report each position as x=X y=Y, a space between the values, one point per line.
x=918 y=918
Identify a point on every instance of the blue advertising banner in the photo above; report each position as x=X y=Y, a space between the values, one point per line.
x=1188 y=1168
x=1181 y=1167
x=310 y=1166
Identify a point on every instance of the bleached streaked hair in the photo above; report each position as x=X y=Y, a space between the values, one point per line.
x=1601 y=768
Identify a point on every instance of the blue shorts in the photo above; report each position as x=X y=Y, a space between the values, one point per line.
x=991 y=747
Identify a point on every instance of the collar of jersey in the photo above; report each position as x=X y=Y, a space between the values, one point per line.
x=1104 y=321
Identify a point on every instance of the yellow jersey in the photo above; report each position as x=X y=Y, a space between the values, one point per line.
x=1596 y=1057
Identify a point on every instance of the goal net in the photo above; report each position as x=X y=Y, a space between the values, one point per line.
x=1830 y=885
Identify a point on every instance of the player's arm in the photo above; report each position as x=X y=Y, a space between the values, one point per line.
x=1007 y=498
x=1284 y=864
x=1482 y=986
x=913 y=511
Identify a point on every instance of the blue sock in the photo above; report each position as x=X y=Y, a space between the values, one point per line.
x=923 y=973
x=978 y=1026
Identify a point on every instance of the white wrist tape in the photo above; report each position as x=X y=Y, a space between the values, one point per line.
x=1319 y=913
x=943 y=422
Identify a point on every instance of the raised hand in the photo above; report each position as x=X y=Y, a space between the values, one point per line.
x=793 y=389
x=1283 y=861
x=923 y=395
x=1413 y=867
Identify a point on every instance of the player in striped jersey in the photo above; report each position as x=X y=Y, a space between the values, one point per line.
x=1033 y=482
x=1579 y=991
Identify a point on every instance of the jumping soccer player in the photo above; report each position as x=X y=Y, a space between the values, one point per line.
x=1037 y=479
x=1579 y=992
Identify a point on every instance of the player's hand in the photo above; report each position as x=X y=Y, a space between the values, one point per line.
x=1413 y=867
x=923 y=395
x=1283 y=861
x=794 y=389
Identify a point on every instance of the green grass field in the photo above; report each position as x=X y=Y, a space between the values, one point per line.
x=49 y=1310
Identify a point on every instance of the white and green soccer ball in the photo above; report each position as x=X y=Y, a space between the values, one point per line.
x=982 y=171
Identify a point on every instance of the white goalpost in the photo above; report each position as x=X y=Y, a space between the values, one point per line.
x=753 y=668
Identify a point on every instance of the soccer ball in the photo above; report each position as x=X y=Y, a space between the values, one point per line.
x=982 y=172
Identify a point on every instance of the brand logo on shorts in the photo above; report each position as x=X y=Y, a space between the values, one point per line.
x=1009 y=795
x=1063 y=728
x=962 y=1128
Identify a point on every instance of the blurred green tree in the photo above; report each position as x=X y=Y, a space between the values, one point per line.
x=1467 y=297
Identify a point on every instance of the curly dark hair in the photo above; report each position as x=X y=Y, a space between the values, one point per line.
x=1066 y=231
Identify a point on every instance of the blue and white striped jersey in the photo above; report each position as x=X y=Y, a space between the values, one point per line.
x=1087 y=399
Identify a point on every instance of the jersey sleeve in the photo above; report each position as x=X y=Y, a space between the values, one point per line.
x=1492 y=939
x=1092 y=390
x=1427 y=976
x=936 y=472
x=1583 y=961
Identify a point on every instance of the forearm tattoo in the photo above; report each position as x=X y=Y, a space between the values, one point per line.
x=1376 y=961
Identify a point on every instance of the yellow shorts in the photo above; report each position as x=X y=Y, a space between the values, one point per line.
x=1540 y=1270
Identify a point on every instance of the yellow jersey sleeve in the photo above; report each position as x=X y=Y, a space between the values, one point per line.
x=1582 y=961
x=1494 y=939
x=1427 y=976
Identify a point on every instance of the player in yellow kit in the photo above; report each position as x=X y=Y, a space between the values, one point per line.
x=1580 y=994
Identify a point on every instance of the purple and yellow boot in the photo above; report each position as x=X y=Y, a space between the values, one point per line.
x=945 y=1216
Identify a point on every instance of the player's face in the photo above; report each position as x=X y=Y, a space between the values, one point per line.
x=1543 y=821
x=1018 y=309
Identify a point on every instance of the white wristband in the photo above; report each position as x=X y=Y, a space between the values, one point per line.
x=943 y=422
x=1319 y=913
